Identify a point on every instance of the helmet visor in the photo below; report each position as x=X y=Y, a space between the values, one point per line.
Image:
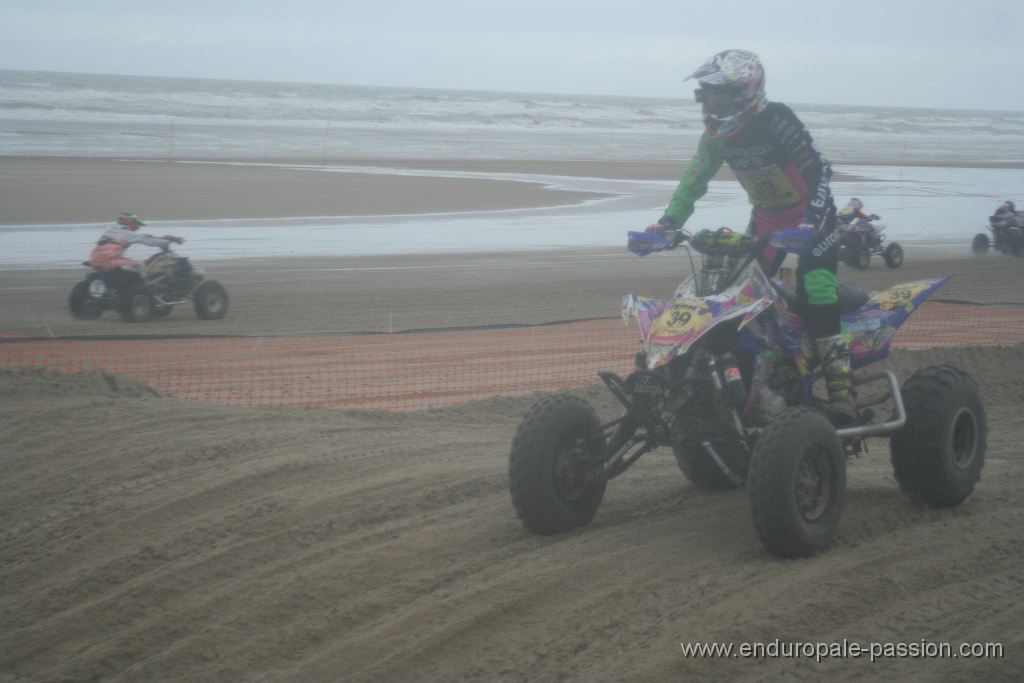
x=720 y=102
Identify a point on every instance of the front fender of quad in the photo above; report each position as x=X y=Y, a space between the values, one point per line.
x=670 y=328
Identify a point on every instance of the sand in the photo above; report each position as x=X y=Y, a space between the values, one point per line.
x=39 y=190
x=395 y=293
x=149 y=538
x=58 y=190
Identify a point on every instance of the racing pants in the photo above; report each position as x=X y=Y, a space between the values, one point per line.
x=111 y=255
x=817 y=286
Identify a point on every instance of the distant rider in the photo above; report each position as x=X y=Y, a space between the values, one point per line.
x=852 y=212
x=1006 y=216
x=787 y=181
x=109 y=250
x=847 y=222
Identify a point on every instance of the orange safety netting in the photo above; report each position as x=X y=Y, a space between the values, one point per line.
x=421 y=369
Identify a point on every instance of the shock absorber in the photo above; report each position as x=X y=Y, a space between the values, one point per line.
x=728 y=406
x=735 y=392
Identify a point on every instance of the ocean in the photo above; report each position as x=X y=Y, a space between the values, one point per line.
x=88 y=115
x=128 y=116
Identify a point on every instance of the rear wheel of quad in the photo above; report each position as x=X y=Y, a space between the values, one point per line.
x=1017 y=245
x=211 y=300
x=856 y=254
x=861 y=258
x=894 y=255
x=136 y=304
x=701 y=470
x=849 y=247
x=797 y=483
x=83 y=305
x=980 y=244
x=553 y=486
x=938 y=454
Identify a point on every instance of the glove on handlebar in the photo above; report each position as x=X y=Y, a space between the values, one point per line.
x=810 y=220
x=722 y=241
x=668 y=228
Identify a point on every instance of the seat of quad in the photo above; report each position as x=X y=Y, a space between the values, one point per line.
x=851 y=296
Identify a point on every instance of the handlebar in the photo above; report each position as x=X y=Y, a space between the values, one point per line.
x=171 y=239
x=721 y=242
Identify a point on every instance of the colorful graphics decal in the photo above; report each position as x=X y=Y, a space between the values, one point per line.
x=870 y=328
x=671 y=327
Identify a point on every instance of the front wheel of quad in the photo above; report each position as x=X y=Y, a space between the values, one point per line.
x=797 y=483
x=938 y=454
x=894 y=255
x=980 y=244
x=211 y=300
x=552 y=480
x=136 y=304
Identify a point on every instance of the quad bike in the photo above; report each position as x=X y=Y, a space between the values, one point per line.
x=859 y=240
x=1007 y=236
x=167 y=280
x=726 y=380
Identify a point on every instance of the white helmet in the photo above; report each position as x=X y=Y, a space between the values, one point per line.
x=731 y=90
x=856 y=204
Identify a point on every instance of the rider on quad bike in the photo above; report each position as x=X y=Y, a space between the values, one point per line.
x=851 y=212
x=787 y=181
x=859 y=238
x=1007 y=225
x=115 y=240
x=142 y=290
x=1007 y=216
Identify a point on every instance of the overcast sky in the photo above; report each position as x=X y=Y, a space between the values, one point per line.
x=912 y=53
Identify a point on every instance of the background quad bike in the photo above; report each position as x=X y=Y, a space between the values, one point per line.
x=132 y=299
x=1012 y=244
x=857 y=254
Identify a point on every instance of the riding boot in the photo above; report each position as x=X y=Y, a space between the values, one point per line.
x=834 y=355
